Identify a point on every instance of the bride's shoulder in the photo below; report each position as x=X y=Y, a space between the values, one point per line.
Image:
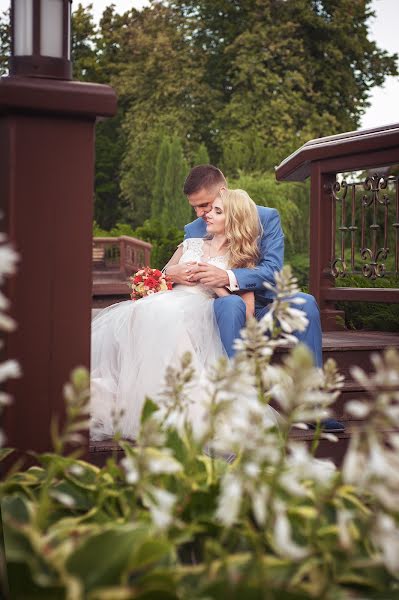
x=194 y=241
x=193 y=246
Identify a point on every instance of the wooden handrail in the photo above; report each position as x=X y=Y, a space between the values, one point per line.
x=340 y=209
x=129 y=254
x=297 y=166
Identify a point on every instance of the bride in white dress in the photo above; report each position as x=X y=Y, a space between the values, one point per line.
x=134 y=342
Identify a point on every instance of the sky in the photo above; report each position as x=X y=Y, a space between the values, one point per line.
x=384 y=107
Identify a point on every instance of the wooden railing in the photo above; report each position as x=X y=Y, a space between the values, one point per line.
x=354 y=222
x=123 y=255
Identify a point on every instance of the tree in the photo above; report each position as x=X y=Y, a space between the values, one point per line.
x=201 y=157
x=158 y=196
x=110 y=146
x=286 y=71
x=84 y=40
x=5 y=41
x=177 y=211
x=163 y=86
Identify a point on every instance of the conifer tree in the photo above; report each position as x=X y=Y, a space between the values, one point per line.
x=177 y=211
x=158 y=196
x=201 y=157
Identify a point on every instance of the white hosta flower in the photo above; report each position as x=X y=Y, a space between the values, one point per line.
x=284 y=543
x=230 y=497
x=302 y=465
x=358 y=409
x=5 y=399
x=354 y=465
x=303 y=391
x=7 y=323
x=260 y=499
x=9 y=368
x=76 y=469
x=63 y=498
x=162 y=462
x=383 y=462
x=291 y=483
x=292 y=319
x=385 y=536
x=251 y=469
x=160 y=503
x=344 y=521
x=8 y=261
x=393 y=439
x=131 y=470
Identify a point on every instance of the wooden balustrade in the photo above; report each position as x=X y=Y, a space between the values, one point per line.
x=114 y=259
x=123 y=254
x=354 y=219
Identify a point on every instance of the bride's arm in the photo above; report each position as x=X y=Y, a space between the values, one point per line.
x=178 y=272
x=248 y=297
x=175 y=258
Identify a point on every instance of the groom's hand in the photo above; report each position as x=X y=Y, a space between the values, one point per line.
x=181 y=274
x=209 y=275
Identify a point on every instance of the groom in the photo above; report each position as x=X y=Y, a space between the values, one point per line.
x=201 y=187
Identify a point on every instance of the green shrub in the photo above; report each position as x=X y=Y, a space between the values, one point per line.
x=170 y=522
x=370 y=315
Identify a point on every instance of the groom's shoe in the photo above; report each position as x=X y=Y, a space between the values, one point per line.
x=329 y=426
x=228 y=457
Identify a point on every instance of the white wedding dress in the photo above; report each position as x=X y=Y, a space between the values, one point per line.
x=134 y=342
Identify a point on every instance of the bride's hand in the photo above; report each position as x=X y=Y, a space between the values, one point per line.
x=181 y=273
x=210 y=275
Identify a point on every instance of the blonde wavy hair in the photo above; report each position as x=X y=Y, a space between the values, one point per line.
x=242 y=228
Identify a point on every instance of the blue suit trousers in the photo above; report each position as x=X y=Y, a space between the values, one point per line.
x=230 y=317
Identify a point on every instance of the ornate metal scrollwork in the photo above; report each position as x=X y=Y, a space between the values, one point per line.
x=363 y=223
x=338 y=268
x=373 y=268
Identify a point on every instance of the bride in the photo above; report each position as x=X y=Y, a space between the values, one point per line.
x=134 y=342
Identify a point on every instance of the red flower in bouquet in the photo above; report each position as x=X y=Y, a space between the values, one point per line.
x=148 y=281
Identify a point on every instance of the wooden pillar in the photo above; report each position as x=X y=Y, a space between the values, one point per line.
x=46 y=192
x=321 y=240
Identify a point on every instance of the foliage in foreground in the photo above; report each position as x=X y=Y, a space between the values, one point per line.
x=172 y=522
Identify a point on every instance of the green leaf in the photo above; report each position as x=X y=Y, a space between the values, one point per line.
x=104 y=558
x=83 y=474
x=149 y=408
x=22 y=585
x=15 y=508
x=82 y=499
x=307 y=512
x=4 y=452
x=150 y=552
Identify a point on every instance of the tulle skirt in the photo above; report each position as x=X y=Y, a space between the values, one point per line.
x=132 y=345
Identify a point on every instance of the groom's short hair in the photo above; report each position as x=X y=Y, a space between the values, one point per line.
x=203 y=176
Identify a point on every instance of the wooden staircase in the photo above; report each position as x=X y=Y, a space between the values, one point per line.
x=348 y=348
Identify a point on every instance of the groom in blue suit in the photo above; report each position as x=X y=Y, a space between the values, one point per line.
x=201 y=187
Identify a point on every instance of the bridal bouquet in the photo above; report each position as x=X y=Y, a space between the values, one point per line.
x=148 y=281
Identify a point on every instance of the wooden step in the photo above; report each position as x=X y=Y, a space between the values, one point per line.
x=348 y=348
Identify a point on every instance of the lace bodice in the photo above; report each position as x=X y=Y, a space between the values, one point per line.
x=193 y=251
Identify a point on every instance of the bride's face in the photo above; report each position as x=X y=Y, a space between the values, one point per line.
x=216 y=217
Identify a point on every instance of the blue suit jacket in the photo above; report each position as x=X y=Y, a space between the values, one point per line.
x=271 y=253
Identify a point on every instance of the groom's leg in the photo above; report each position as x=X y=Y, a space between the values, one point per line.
x=230 y=316
x=311 y=337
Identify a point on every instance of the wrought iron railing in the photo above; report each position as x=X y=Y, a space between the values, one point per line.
x=354 y=223
x=366 y=223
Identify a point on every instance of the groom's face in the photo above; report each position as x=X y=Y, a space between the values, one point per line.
x=202 y=200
